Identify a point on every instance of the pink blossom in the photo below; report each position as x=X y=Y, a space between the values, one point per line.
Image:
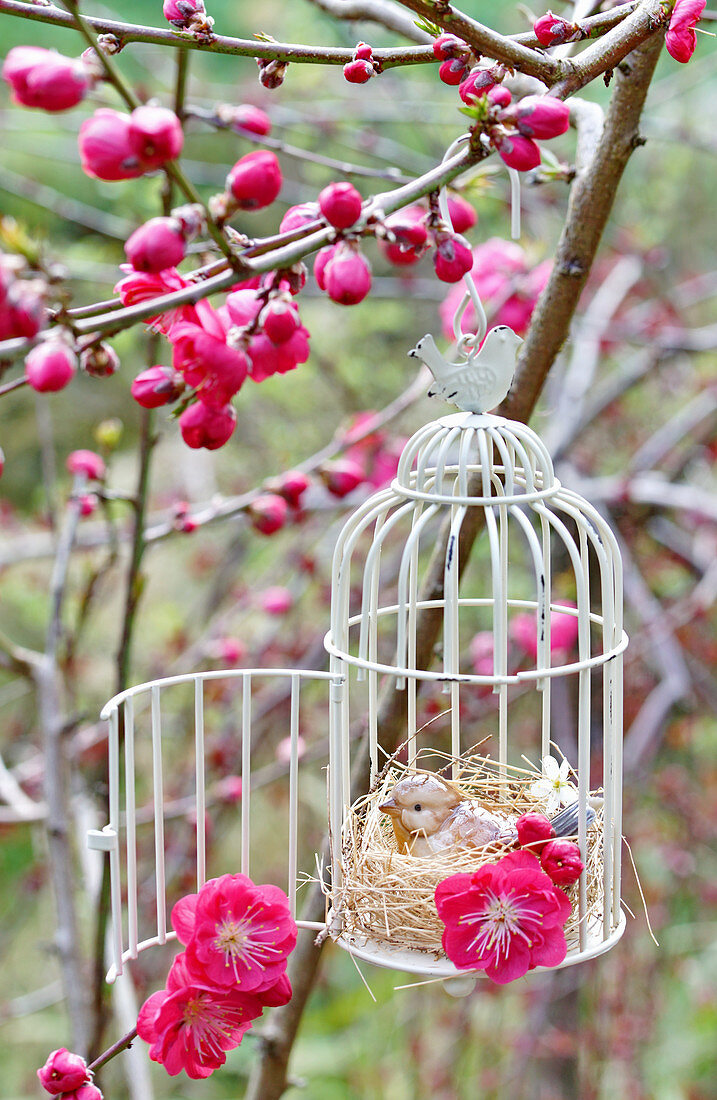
x=139 y=287
x=268 y=513
x=481 y=652
x=156 y=135
x=190 y=1025
x=181 y=12
x=462 y=213
x=268 y=358
x=447 y=46
x=241 y=307
x=24 y=312
x=88 y=503
x=506 y=918
x=106 y=151
x=279 y=320
x=236 y=933
x=409 y=229
x=157 y=386
x=340 y=204
x=680 y=40
x=453 y=70
x=231 y=650
x=276 y=600
x=298 y=216
x=342 y=476
x=255 y=180
x=50 y=366
x=291 y=486
x=453 y=257
x=551 y=30
x=202 y=356
x=358 y=71
x=63 y=1071
x=248 y=117
x=517 y=151
x=534 y=830
x=563 y=632
x=87 y=463
x=204 y=427
x=499 y=96
x=229 y=789
x=347 y=275
x=44 y=78
x=540 y=116
x=560 y=859
x=87 y=1091
x=476 y=84
x=156 y=245
x=363 y=51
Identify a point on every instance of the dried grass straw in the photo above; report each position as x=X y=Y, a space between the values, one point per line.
x=388 y=895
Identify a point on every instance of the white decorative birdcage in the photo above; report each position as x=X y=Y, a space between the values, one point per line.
x=450 y=470
x=536 y=533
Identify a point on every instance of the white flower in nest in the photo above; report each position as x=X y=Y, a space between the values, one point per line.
x=554 y=787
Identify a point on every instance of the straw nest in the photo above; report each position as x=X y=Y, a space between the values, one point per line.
x=387 y=895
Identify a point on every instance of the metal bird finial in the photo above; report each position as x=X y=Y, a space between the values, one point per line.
x=478 y=384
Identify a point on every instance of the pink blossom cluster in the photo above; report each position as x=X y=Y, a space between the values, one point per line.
x=505 y=919
x=118 y=146
x=237 y=938
x=46 y=79
x=363 y=66
x=560 y=859
x=67 y=1076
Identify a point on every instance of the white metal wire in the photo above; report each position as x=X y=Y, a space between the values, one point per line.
x=459 y=463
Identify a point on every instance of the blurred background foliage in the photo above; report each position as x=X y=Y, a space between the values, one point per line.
x=642 y=1022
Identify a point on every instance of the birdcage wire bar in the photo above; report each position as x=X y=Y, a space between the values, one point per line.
x=463 y=462
x=119 y=837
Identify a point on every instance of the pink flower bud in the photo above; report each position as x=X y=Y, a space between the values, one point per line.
x=409 y=229
x=50 y=366
x=100 y=361
x=447 y=46
x=340 y=203
x=462 y=213
x=155 y=134
x=551 y=30
x=88 y=1091
x=268 y=513
x=453 y=71
x=156 y=245
x=499 y=96
x=517 y=151
x=229 y=789
x=255 y=180
x=276 y=600
x=534 y=829
x=157 y=386
x=27 y=312
x=2 y=461
x=541 y=116
x=87 y=463
x=347 y=276
x=45 y=79
x=359 y=71
x=248 y=117
x=88 y=503
x=180 y=12
x=363 y=51
x=560 y=859
x=204 y=427
x=279 y=320
x=298 y=216
x=105 y=148
x=680 y=40
x=323 y=258
x=342 y=476
x=231 y=650
x=271 y=73
x=63 y=1071
x=291 y=486
x=452 y=258
x=284 y=749
x=478 y=83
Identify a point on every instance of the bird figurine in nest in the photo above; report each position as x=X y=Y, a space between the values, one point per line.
x=480 y=382
x=432 y=815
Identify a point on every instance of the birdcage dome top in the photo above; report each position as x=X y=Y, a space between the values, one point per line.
x=440 y=460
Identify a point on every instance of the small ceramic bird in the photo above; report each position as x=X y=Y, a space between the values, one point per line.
x=479 y=384
x=431 y=815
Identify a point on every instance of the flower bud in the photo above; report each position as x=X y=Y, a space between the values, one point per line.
x=462 y=213
x=452 y=258
x=2 y=461
x=323 y=258
x=87 y=463
x=280 y=320
x=448 y=46
x=156 y=136
x=246 y=117
x=268 y=513
x=63 y=1071
x=499 y=96
x=50 y=366
x=363 y=51
x=541 y=116
x=478 y=83
x=409 y=229
x=44 y=78
x=453 y=71
x=560 y=859
x=359 y=71
x=298 y=216
x=551 y=30
x=347 y=276
x=517 y=151
x=291 y=486
x=534 y=830
x=340 y=203
x=255 y=180
x=88 y=504
x=27 y=310
x=276 y=600
x=100 y=361
x=233 y=651
x=156 y=245
x=157 y=386
x=105 y=148
x=271 y=73
x=180 y=13
x=204 y=427
x=342 y=476
x=88 y=1091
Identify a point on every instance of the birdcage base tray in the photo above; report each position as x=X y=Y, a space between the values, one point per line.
x=426 y=964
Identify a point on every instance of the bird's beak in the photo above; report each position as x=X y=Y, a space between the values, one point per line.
x=389 y=807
